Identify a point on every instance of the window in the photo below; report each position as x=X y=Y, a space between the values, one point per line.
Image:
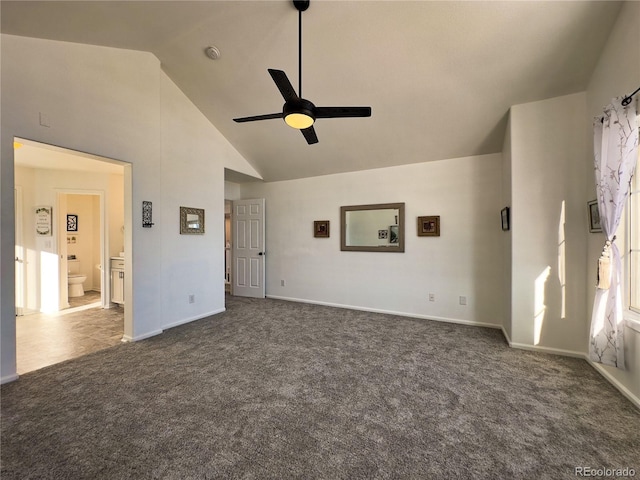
x=634 y=243
x=632 y=247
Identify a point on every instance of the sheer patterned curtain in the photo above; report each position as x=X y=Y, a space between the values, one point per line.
x=615 y=154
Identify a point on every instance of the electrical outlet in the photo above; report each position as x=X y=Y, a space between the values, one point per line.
x=432 y=297
x=192 y=298
x=463 y=300
x=282 y=283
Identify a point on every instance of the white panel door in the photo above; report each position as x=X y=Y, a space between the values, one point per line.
x=248 y=248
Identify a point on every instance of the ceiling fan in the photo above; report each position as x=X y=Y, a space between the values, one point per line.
x=298 y=112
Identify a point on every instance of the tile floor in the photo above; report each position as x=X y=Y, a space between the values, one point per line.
x=43 y=339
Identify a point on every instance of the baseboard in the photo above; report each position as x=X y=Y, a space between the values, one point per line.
x=506 y=335
x=388 y=312
x=127 y=338
x=553 y=351
x=9 y=378
x=614 y=381
x=193 y=319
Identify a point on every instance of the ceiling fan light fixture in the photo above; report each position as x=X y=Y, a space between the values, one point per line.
x=299 y=121
x=298 y=114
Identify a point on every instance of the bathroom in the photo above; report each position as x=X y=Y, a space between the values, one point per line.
x=84 y=264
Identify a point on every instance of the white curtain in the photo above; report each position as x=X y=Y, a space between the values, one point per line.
x=615 y=155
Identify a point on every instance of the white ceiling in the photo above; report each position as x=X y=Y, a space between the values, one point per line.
x=439 y=76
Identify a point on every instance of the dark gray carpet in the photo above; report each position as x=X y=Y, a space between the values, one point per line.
x=272 y=389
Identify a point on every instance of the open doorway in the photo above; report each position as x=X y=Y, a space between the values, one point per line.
x=70 y=217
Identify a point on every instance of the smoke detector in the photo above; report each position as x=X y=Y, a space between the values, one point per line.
x=212 y=52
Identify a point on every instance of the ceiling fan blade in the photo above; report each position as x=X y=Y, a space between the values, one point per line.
x=337 y=112
x=283 y=84
x=268 y=116
x=310 y=135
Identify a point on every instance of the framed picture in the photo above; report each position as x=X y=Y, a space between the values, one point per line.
x=594 y=217
x=504 y=216
x=393 y=234
x=321 y=228
x=429 y=226
x=72 y=223
x=43 y=220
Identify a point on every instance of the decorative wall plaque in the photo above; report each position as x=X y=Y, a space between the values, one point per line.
x=43 y=221
x=147 y=212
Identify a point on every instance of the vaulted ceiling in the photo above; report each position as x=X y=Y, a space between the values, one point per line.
x=440 y=76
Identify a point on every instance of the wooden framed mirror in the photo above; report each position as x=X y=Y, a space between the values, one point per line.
x=372 y=228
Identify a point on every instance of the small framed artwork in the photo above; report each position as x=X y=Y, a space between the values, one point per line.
x=383 y=234
x=504 y=217
x=429 y=226
x=321 y=228
x=594 y=217
x=72 y=223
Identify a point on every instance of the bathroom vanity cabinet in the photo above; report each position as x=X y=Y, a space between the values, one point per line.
x=117 y=280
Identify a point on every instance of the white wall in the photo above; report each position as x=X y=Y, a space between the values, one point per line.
x=112 y=102
x=465 y=260
x=616 y=74
x=231 y=191
x=191 y=264
x=548 y=224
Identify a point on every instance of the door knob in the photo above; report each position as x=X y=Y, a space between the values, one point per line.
x=261 y=253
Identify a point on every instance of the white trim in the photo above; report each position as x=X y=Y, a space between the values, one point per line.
x=193 y=319
x=632 y=319
x=105 y=285
x=9 y=378
x=535 y=348
x=613 y=381
x=127 y=338
x=388 y=312
x=553 y=351
x=506 y=335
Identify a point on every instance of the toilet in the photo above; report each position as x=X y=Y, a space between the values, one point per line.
x=75 y=279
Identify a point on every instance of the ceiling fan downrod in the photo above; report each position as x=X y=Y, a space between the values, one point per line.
x=301 y=5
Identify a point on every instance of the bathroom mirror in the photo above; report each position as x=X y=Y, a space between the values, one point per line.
x=191 y=220
x=372 y=228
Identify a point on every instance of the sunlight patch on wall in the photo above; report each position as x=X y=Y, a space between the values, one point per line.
x=49 y=280
x=539 y=306
x=562 y=260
